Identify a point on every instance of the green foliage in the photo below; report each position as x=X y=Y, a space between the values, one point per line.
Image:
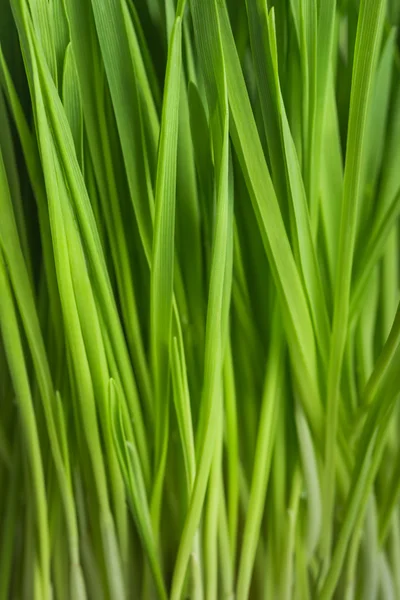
x=199 y=299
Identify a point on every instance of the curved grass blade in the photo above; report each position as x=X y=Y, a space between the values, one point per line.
x=320 y=63
x=58 y=205
x=16 y=361
x=162 y=263
x=368 y=36
x=372 y=252
x=91 y=81
x=71 y=176
x=114 y=45
x=262 y=459
x=181 y=399
x=10 y=164
x=232 y=450
x=72 y=101
x=130 y=467
x=384 y=361
x=25 y=300
x=369 y=456
x=219 y=292
x=291 y=294
x=377 y=122
x=331 y=179
x=310 y=475
x=211 y=510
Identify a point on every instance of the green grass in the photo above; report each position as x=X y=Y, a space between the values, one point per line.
x=199 y=299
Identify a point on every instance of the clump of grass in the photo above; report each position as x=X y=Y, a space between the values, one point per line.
x=199 y=299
